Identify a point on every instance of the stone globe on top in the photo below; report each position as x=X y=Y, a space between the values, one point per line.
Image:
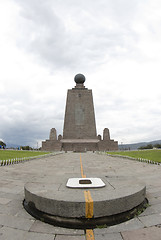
x=79 y=78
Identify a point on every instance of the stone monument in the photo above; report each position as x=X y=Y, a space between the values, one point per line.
x=79 y=133
x=51 y=199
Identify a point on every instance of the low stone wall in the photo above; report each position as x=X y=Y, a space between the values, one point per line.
x=51 y=145
x=108 y=145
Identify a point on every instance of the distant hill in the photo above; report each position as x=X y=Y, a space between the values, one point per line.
x=135 y=146
x=11 y=145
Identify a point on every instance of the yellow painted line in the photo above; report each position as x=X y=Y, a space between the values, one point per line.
x=89 y=204
x=88 y=207
x=83 y=176
x=89 y=234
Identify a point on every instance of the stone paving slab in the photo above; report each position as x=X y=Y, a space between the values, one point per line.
x=5 y=200
x=12 y=208
x=129 y=225
x=69 y=237
x=156 y=190
x=11 y=195
x=151 y=220
x=154 y=194
x=41 y=227
x=152 y=233
x=17 y=224
x=154 y=200
x=110 y=236
x=152 y=209
x=17 y=234
x=12 y=189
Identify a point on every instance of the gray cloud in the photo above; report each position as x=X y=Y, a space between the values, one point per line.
x=114 y=43
x=71 y=34
x=26 y=121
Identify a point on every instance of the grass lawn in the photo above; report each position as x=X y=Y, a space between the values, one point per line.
x=11 y=154
x=154 y=155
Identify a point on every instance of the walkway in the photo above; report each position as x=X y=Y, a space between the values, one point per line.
x=17 y=224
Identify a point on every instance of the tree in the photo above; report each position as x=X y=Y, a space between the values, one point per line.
x=2 y=144
x=157 y=145
x=25 y=148
x=149 y=146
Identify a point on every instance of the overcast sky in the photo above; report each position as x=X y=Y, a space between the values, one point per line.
x=116 y=44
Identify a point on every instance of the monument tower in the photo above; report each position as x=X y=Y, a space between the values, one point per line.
x=79 y=122
x=79 y=133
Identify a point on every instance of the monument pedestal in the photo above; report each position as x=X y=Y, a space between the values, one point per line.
x=119 y=200
x=79 y=145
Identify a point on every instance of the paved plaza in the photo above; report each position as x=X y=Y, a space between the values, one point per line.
x=17 y=224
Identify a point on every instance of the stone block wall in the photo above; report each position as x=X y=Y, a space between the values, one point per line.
x=107 y=145
x=80 y=147
x=51 y=145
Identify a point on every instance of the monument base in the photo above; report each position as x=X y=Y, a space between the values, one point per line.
x=84 y=223
x=119 y=200
x=80 y=145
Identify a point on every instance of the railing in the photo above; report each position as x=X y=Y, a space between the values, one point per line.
x=135 y=159
x=131 y=158
x=24 y=159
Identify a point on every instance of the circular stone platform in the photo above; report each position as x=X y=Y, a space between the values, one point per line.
x=119 y=200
